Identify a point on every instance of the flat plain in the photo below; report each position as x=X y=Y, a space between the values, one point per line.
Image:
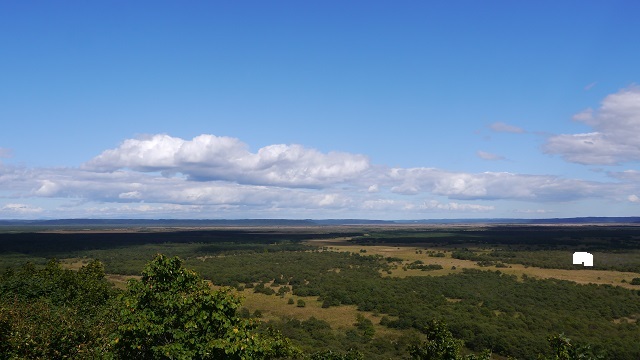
x=513 y=285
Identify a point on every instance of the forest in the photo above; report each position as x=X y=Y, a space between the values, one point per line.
x=321 y=292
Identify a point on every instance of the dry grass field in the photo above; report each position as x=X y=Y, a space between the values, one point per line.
x=339 y=317
x=411 y=253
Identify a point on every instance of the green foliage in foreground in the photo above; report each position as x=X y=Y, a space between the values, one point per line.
x=171 y=312
x=51 y=312
x=330 y=355
x=563 y=349
x=440 y=345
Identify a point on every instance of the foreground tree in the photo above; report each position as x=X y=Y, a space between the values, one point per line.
x=441 y=345
x=563 y=349
x=173 y=313
x=330 y=355
x=54 y=313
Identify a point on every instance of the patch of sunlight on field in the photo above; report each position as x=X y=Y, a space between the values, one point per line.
x=341 y=317
x=120 y=281
x=411 y=253
x=579 y=276
x=74 y=263
x=632 y=319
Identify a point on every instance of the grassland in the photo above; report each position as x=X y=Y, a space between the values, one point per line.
x=410 y=254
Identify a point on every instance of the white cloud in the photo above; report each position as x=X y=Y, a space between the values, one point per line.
x=626 y=175
x=634 y=198
x=130 y=195
x=277 y=181
x=488 y=156
x=47 y=188
x=534 y=211
x=493 y=185
x=454 y=206
x=133 y=186
x=20 y=209
x=503 y=127
x=209 y=157
x=616 y=126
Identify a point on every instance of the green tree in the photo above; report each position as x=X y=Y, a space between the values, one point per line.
x=352 y=354
x=441 y=345
x=53 y=312
x=173 y=313
x=563 y=349
x=365 y=326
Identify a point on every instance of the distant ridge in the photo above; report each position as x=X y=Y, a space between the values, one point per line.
x=307 y=222
x=574 y=220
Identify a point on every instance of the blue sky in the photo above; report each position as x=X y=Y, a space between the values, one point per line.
x=288 y=109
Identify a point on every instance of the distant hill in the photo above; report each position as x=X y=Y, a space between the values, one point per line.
x=575 y=220
x=306 y=222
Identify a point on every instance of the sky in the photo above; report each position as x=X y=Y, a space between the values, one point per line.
x=319 y=109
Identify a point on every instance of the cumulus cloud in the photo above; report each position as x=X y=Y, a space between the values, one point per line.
x=506 y=128
x=488 y=156
x=209 y=157
x=616 y=126
x=634 y=198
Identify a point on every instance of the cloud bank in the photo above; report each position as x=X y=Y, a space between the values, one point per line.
x=212 y=176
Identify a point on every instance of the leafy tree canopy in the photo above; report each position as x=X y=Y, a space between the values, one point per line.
x=173 y=313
